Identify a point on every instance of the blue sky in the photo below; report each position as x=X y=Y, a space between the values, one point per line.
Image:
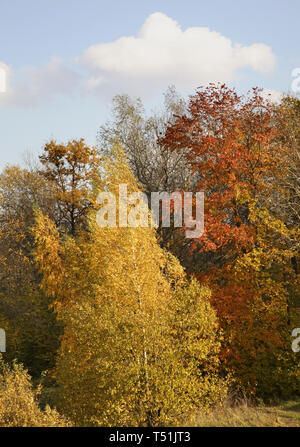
x=65 y=59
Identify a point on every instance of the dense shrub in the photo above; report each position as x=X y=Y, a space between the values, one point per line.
x=19 y=401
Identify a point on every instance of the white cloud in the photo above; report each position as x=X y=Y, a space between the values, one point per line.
x=159 y=55
x=162 y=53
x=40 y=85
x=273 y=95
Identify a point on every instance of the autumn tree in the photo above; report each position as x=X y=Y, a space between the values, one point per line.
x=243 y=254
x=154 y=168
x=285 y=189
x=288 y=158
x=20 y=191
x=129 y=355
x=32 y=330
x=63 y=190
x=227 y=139
x=73 y=169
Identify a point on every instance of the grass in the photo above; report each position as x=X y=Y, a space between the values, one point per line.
x=285 y=414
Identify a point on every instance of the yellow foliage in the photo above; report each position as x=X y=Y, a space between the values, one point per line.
x=19 y=402
x=140 y=345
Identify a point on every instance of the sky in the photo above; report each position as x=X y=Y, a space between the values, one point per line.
x=62 y=61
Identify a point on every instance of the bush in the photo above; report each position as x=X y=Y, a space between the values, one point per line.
x=32 y=332
x=19 y=401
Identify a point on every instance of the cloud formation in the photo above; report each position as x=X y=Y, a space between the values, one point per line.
x=159 y=55
x=162 y=53
x=40 y=85
x=272 y=95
